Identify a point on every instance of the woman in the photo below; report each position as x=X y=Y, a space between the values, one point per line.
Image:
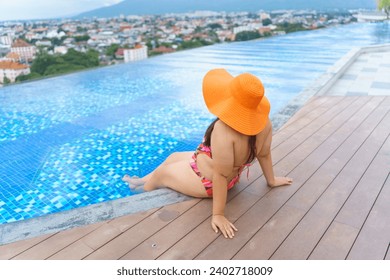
x=241 y=133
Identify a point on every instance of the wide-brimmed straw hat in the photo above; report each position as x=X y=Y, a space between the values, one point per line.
x=237 y=101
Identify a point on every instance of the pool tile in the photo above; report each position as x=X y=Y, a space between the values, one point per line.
x=369 y=69
x=380 y=85
x=349 y=77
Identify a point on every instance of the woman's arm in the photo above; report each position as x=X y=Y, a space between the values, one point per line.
x=265 y=160
x=223 y=162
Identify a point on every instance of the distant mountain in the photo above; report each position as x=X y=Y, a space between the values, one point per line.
x=148 y=7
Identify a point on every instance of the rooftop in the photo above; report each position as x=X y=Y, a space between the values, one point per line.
x=13 y=56
x=336 y=147
x=19 y=43
x=12 y=65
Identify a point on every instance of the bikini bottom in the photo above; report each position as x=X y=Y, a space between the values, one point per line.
x=208 y=184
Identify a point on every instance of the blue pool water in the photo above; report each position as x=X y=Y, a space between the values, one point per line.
x=65 y=142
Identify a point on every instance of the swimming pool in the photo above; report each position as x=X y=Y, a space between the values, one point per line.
x=66 y=142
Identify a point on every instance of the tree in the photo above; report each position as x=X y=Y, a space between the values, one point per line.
x=30 y=76
x=45 y=64
x=82 y=38
x=111 y=50
x=247 y=35
x=42 y=62
x=214 y=26
x=6 y=81
x=267 y=22
x=385 y=5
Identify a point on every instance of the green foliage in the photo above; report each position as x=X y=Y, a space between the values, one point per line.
x=62 y=69
x=214 y=26
x=247 y=35
x=193 y=44
x=56 y=41
x=30 y=76
x=291 y=27
x=82 y=38
x=111 y=50
x=45 y=64
x=6 y=81
x=385 y=5
x=42 y=61
x=198 y=29
x=267 y=22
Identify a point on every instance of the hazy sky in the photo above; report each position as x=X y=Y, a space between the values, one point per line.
x=36 y=9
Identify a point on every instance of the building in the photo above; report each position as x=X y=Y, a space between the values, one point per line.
x=12 y=57
x=119 y=54
x=6 y=40
x=25 y=50
x=11 y=70
x=60 y=49
x=163 y=49
x=249 y=27
x=138 y=53
x=370 y=16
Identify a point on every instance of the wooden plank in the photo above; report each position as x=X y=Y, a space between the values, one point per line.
x=11 y=250
x=317 y=132
x=336 y=243
x=346 y=108
x=263 y=244
x=315 y=120
x=115 y=227
x=128 y=221
x=325 y=209
x=55 y=243
x=351 y=217
x=268 y=205
x=359 y=128
x=373 y=241
x=94 y=240
x=75 y=251
x=314 y=108
x=131 y=238
x=223 y=248
x=157 y=244
x=358 y=205
x=191 y=245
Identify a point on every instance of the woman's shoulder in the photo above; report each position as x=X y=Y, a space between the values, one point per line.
x=221 y=127
x=267 y=129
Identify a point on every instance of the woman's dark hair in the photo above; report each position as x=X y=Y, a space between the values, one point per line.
x=251 y=141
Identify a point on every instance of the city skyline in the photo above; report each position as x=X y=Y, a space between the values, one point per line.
x=43 y=9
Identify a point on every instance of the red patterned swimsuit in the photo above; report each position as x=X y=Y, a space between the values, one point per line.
x=208 y=184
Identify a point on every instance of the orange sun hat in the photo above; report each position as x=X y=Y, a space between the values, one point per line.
x=237 y=101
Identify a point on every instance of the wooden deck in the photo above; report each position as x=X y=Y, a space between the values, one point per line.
x=337 y=150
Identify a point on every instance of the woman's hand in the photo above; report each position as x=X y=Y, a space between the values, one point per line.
x=280 y=181
x=221 y=223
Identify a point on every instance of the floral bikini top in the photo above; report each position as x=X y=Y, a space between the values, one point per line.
x=203 y=149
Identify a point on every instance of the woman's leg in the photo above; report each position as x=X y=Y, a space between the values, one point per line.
x=179 y=176
x=174 y=157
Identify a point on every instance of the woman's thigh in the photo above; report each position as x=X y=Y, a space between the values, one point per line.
x=178 y=176
x=178 y=156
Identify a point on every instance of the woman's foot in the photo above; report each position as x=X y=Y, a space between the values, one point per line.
x=134 y=182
